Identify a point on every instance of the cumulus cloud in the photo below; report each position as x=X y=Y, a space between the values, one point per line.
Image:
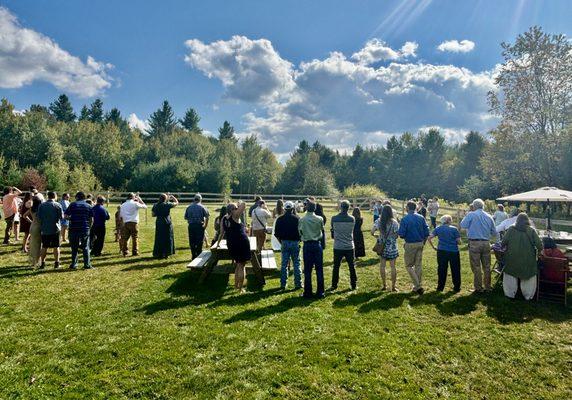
x=135 y=122
x=343 y=101
x=27 y=56
x=376 y=50
x=250 y=70
x=454 y=46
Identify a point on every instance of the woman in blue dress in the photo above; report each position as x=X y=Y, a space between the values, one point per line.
x=388 y=227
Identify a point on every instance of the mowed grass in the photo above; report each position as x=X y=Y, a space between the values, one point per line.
x=137 y=327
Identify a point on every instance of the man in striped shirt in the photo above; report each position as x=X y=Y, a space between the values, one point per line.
x=80 y=216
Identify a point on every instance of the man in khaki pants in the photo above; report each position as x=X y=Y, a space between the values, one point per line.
x=129 y=213
x=414 y=230
x=480 y=227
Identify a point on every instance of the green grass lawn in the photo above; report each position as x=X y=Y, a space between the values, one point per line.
x=137 y=327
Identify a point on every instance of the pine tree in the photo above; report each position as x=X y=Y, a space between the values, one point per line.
x=96 y=111
x=84 y=113
x=191 y=121
x=62 y=109
x=114 y=115
x=162 y=121
x=226 y=131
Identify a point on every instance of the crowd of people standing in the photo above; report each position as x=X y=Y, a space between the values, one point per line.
x=46 y=223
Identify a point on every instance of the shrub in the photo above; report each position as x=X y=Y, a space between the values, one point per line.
x=176 y=174
x=32 y=177
x=11 y=175
x=82 y=178
x=363 y=191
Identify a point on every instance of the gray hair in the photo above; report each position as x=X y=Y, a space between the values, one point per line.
x=198 y=197
x=446 y=219
x=478 y=203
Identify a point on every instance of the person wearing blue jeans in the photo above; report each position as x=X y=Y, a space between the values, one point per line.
x=286 y=231
x=311 y=227
x=79 y=240
x=291 y=251
x=80 y=215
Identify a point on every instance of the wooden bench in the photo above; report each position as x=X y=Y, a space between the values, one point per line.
x=201 y=260
x=268 y=261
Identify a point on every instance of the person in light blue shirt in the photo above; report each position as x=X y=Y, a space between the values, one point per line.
x=447 y=253
x=413 y=228
x=480 y=228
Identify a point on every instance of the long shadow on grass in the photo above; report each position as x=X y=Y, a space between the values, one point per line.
x=367 y=262
x=505 y=310
x=355 y=299
x=18 y=271
x=387 y=302
x=273 y=309
x=125 y=260
x=186 y=291
x=157 y=264
x=246 y=298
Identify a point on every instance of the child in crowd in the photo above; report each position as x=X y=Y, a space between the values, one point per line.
x=118 y=224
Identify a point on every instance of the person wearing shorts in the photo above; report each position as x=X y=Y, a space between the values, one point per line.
x=10 y=208
x=50 y=214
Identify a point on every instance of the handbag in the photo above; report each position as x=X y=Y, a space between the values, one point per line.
x=379 y=246
x=268 y=229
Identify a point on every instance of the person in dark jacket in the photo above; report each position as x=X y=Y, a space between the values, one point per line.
x=523 y=247
x=286 y=231
x=97 y=232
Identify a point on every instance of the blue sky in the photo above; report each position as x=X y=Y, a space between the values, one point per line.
x=342 y=72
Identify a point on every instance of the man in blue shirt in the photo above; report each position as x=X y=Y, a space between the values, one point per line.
x=197 y=217
x=97 y=231
x=480 y=227
x=414 y=230
x=80 y=215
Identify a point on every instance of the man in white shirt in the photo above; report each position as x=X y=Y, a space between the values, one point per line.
x=259 y=217
x=129 y=213
x=507 y=223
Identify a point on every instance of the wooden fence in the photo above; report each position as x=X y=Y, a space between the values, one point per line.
x=328 y=202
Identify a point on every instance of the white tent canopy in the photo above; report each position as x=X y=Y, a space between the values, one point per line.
x=549 y=194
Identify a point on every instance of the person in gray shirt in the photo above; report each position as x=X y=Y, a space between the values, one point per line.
x=343 y=235
x=50 y=214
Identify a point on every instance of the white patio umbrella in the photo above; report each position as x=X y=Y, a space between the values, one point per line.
x=545 y=194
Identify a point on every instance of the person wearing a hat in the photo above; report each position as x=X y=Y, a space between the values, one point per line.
x=197 y=216
x=286 y=231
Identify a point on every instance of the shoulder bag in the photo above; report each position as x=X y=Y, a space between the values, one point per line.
x=379 y=246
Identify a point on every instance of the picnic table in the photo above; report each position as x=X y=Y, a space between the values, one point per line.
x=560 y=237
x=208 y=261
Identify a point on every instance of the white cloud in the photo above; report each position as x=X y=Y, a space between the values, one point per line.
x=376 y=50
x=342 y=102
x=454 y=46
x=27 y=56
x=134 y=122
x=250 y=70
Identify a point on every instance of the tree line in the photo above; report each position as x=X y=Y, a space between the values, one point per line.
x=52 y=147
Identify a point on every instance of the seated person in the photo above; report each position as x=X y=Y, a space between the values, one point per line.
x=550 y=248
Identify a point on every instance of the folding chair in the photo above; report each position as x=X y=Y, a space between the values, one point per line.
x=553 y=280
